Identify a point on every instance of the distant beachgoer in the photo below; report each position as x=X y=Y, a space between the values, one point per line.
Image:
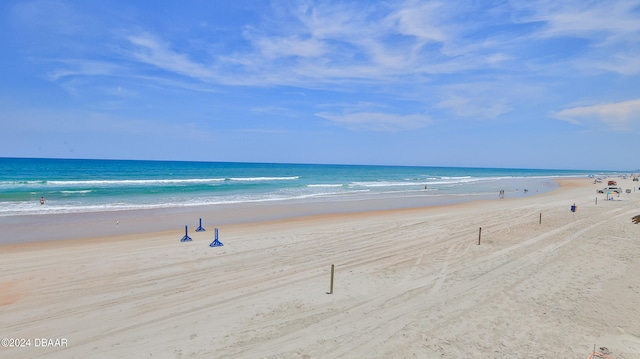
x=501 y=195
x=41 y=200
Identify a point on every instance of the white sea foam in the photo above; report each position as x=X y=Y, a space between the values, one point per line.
x=139 y=182
x=264 y=178
x=385 y=184
x=14 y=183
x=454 y=177
x=142 y=182
x=52 y=207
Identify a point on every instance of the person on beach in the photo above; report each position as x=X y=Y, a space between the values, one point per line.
x=41 y=200
x=501 y=195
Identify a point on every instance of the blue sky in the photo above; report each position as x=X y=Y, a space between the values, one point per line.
x=524 y=84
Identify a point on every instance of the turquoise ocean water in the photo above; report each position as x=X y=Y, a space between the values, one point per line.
x=72 y=185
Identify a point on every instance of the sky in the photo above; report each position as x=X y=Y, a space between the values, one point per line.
x=547 y=84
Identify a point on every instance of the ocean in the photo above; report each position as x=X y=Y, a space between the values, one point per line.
x=79 y=185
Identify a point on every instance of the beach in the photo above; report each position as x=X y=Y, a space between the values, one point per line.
x=520 y=277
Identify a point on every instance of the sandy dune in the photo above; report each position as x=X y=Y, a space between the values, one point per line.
x=408 y=284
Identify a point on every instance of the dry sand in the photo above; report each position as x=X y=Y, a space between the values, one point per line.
x=408 y=284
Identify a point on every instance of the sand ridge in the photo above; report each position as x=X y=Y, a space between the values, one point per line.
x=408 y=283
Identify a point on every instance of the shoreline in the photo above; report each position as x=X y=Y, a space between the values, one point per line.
x=33 y=228
x=131 y=223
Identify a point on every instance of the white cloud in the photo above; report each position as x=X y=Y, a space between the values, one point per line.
x=290 y=46
x=618 y=116
x=422 y=21
x=329 y=44
x=473 y=107
x=79 y=67
x=611 y=29
x=334 y=21
x=621 y=62
x=394 y=47
x=590 y=19
x=377 y=121
x=150 y=50
x=326 y=44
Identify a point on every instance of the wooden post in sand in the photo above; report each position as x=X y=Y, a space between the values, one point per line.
x=596 y=201
x=540 y=222
x=479 y=235
x=331 y=286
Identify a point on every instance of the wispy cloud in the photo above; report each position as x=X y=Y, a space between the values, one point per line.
x=150 y=50
x=474 y=107
x=82 y=67
x=422 y=21
x=324 y=44
x=273 y=48
x=377 y=121
x=611 y=29
x=606 y=21
x=622 y=116
x=329 y=44
x=316 y=45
